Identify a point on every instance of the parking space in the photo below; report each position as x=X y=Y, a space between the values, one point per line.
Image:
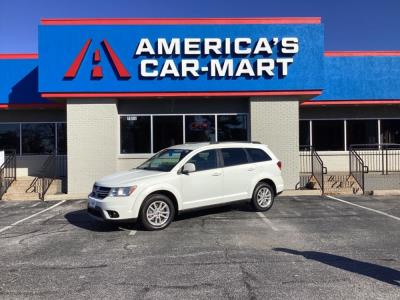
x=303 y=248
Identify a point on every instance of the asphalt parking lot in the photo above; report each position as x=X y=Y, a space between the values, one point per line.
x=303 y=248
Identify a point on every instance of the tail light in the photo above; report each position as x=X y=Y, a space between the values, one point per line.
x=279 y=164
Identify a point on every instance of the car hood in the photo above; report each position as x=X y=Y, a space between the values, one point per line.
x=128 y=178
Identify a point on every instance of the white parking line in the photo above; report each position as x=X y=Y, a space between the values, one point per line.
x=36 y=204
x=267 y=221
x=366 y=208
x=31 y=216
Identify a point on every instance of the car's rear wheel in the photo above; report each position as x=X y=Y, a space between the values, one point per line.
x=157 y=212
x=263 y=197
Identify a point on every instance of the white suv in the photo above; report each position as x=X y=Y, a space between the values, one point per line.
x=186 y=177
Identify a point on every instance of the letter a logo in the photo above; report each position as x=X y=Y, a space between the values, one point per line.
x=97 y=70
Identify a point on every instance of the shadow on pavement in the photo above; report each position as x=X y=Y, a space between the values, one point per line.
x=80 y=218
x=191 y=214
x=381 y=273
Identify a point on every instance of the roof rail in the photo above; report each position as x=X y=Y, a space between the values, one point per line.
x=250 y=142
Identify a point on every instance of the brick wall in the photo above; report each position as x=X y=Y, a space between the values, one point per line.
x=92 y=130
x=275 y=122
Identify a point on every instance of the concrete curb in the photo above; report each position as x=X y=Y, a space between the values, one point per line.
x=301 y=193
x=386 y=192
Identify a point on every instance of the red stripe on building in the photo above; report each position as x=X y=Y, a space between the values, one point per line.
x=177 y=21
x=19 y=56
x=181 y=94
x=33 y=106
x=348 y=102
x=362 y=53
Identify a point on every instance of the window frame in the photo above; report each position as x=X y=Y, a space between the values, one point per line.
x=378 y=119
x=122 y=155
x=19 y=151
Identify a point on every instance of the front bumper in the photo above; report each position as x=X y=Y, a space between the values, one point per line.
x=111 y=209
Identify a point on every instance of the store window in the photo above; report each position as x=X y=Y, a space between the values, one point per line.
x=328 y=135
x=232 y=128
x=390 y=131
x=167 y=131
x=61 y=138
x=135 y=134
x=9 y=137
x=38 y=138
x=199 y=128
x=362 y=132
x=304 y=127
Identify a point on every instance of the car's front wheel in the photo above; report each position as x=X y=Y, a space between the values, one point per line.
x=263 y=197
x=157 y=212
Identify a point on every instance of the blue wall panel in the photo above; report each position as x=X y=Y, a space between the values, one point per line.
x=361 y=78
x=19 y=81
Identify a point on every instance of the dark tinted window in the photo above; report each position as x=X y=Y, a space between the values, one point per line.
x=9 y=137
x=390 y=131
x=232 y=128
x=205 y=160
x=167 y=131
x=258 y=155
x=362 y=132
x=38 y=138
x=328 y=135
x=200 y=128
x=135 y=134
x=234 y=156
x=62 y=138
x=304 y=133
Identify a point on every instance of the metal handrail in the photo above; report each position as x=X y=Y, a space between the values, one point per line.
x=8 y=171
x=357 y=168
x=383 y=158
x=54 y=167
x=312 y=166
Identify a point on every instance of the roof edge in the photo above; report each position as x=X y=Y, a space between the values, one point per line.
x=177 y=21
x=362 y=53
x=19 y=56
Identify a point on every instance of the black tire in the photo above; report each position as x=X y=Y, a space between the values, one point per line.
x=260 y=188
x=154 y=200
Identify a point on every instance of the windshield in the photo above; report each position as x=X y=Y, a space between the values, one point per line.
x=164 y=160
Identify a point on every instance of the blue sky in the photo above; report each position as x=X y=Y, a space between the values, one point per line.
x=349 y=24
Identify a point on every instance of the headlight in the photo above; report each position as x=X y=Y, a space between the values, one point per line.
x=121 y=191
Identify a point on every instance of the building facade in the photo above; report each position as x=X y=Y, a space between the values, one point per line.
x=108 y=93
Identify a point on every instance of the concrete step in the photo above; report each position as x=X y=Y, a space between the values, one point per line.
x=21 y=197
x=21 y=190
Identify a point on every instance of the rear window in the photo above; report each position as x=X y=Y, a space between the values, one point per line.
x=234 y=156
x=258 y=155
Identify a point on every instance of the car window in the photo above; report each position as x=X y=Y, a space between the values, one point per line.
x=258 y=155
x=205 y=160
x=234 y=156
x=164 y=160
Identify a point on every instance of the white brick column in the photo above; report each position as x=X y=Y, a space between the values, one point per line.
x=275 y=122
x=92 y=135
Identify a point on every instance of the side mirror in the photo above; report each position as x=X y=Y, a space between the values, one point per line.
x=188 y=168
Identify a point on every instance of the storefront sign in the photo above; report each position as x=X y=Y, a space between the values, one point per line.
x=178 y=58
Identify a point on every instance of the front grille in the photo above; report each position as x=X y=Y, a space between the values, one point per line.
x=100 y=192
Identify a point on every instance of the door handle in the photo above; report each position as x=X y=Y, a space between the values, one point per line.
x=251 y=169
x=216 y=174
